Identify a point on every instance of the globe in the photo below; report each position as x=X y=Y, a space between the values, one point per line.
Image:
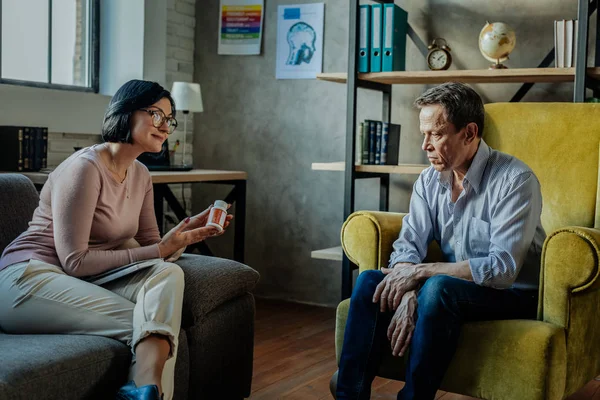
x=496 y=41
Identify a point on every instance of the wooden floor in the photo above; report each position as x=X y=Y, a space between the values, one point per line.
x=294 y=356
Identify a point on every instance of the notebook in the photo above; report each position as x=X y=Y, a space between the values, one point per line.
x=120 y=272
x=161 y=161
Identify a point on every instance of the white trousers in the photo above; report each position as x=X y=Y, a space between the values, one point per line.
x=38 y=298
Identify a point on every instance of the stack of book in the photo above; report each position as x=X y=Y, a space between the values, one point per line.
x=23 y=148
x=565 y=43
x=377 y=143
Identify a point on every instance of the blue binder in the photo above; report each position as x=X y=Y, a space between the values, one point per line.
x=376 y=40
x=364 y=46
x=395 y=29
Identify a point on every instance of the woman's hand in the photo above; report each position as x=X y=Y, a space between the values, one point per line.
x=181 y=236
x=175 y=256
x=200 y=220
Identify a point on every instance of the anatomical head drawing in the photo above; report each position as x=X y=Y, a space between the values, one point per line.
x=301 y=37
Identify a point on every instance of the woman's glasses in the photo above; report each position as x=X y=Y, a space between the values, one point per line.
x=159 y=118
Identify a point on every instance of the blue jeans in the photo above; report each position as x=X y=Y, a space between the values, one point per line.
x=444 y=304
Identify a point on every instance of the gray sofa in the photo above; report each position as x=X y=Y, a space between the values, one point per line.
x=216 y=342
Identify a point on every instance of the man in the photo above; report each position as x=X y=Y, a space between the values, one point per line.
x=483 y=208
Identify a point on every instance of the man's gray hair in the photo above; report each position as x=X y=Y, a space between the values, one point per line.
x=461 y=103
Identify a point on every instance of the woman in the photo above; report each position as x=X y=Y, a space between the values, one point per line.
x=95 y=214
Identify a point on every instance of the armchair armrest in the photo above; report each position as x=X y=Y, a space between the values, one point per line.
x=367 y=237
x=569 y=267
x=570 y=298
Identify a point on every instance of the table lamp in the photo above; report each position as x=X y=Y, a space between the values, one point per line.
x=187 y=99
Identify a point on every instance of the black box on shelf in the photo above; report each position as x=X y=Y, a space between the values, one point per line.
x=393 y=145
x=23 y=148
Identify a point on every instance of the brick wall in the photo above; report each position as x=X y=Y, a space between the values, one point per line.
x=181 y=25
x=61 y=145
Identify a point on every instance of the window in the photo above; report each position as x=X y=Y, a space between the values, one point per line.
x=50 y=43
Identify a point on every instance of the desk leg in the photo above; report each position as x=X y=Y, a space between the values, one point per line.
x=158 y=206
x=181 y=215
x=240 y=222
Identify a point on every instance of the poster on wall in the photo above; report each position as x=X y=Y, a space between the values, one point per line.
x=240 y=26
x=299 y=41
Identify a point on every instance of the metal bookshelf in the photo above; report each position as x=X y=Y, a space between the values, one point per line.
x=581 y=76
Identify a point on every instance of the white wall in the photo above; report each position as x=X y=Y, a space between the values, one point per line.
x=121 y=43
x=59 y=110
x=155 y=41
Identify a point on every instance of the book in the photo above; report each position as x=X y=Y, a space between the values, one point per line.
x=393 y=145
x=569 y=36
x=365 y=143
x=384 y=142
x=120 y=272
x=565 y=43
x=378 y=134
x=560 y=44
x=395 y=29
x=575 y=39
x=27 y=148
x=11 y=143
x=372 y=139
x=44 y=148
x=358 y=144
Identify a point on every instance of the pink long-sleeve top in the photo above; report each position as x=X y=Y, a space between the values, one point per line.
x=85 y=216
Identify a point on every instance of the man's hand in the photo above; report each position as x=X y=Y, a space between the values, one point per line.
x=402 y=325
x=396 y=283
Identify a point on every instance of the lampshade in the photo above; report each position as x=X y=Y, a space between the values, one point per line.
x=187 y=96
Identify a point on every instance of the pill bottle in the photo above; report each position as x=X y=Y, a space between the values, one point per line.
x=217 y=215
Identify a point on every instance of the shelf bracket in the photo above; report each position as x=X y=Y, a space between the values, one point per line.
x=380 y=87
x=417 y=41
x=583 y=15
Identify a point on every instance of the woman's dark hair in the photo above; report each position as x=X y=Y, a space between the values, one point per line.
x=461 y=104
x=130 y=97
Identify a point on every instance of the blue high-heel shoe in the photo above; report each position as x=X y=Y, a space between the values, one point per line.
x=131 y=392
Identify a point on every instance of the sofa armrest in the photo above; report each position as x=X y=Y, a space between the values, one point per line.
x=367 y=237
x=210 y=282
x=570 y=298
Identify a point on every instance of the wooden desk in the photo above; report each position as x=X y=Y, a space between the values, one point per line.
x=161 y=181
x=195 y=175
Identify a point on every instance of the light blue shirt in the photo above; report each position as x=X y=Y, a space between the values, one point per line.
x=494 y=224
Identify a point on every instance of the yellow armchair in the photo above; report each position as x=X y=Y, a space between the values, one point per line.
x=555 y=355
